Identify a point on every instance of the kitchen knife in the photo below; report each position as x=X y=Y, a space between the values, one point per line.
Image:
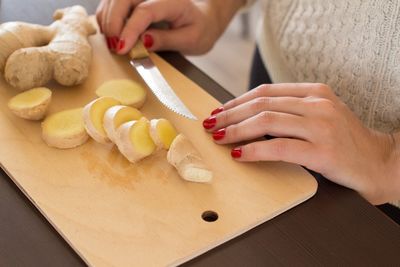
x=141 y=61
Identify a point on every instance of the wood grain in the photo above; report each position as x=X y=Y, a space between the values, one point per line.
x=116 y=213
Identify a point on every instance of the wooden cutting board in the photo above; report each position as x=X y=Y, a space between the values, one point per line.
x=114 y=213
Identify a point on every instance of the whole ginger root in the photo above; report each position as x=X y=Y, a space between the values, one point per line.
x=31 y=55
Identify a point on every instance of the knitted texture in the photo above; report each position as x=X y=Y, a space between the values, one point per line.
x=351 y=45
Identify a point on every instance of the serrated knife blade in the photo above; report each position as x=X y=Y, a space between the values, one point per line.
x=160 y=87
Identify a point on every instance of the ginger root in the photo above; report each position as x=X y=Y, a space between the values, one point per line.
x=187 y=160
x=31 y=55
x=162 y=132
x=64 y=129
x=32 y=104
x=116 y=116
x=134 y=141
x=128 y=92
x=93 y=117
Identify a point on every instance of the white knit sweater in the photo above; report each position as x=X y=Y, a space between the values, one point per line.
x=351 y=45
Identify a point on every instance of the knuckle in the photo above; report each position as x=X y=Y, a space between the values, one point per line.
x=261 y=90
x=267 y=118
x=320 y=89
x=280 y=148
x=261 y=103
x=323 y=105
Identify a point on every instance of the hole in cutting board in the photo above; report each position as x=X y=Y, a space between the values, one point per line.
x=209 y=216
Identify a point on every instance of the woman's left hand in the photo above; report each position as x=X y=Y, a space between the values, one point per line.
x=314 y=128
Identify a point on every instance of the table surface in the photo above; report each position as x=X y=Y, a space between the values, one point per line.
x=335 y=227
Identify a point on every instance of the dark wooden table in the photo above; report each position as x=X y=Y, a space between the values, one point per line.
x=335 y=227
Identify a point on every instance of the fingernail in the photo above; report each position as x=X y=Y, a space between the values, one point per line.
x=114 y=42
x=121 y=45
x=236 y=152
x=218 y=135
x=148 y=40
x=108 y=43
x=209 y=122
x=217 y=110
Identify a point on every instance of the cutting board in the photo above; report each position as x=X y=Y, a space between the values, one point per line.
x=115 y=213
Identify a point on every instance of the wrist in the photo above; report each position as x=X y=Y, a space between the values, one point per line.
x=390 y=186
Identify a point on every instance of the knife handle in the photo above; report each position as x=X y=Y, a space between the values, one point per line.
x=138 y=51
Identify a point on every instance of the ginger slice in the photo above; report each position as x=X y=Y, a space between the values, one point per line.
x=64 y=129
x=134 y=141
x=128 y=92
x=117 y=115
x=93 y=117
x=162 y=132
x=187 y=160
x=138 y=51
x=31 y=104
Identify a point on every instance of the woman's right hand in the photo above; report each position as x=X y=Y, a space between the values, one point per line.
x=194 y=25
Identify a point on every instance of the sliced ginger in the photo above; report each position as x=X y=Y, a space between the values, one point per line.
x=138 y=51
x=64 y=129
x=93 y=117
x=31 y=104
x=128 y=92
x=187 y=160
x=134 y=140
x=116 y=116
x=162 y=132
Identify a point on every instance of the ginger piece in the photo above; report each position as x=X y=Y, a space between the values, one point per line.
x=128 y=92
x=138 y=51
x=162 y=132
x=31 y=104
x=93 y=117
x=64 y=129
x=187 y=160
x=134 y=141
x=31 y=55
x=116 y=116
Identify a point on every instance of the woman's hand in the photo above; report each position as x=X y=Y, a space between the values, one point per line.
x=194 y=25
x=314 y=128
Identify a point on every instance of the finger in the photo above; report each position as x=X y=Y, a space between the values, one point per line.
x=118 y=11
x=172 y=39
x=265 y=123
x=278 y=149
x=99 y=12
x=143 y=15
x=290 y=105
x=104 y=13
x=283 y=89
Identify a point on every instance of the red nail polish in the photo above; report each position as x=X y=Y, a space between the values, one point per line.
x=108 y=43
x=148 y=40
x=121 y=45
x=218 y=110
x=218 y=135
x=115 y=41
x=209 y=122
x=236 y=152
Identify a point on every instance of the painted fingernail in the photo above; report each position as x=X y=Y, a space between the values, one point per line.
x=236 y=152
x=114 y=42
x=121 y=45
x=218 y=135
x=148 y=40
x=217 y=110
x=108 y=43
x=209 y=122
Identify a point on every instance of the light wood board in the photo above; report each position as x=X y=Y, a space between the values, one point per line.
x=114 y=213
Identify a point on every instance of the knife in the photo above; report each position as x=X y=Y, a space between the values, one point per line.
x=141 y=61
